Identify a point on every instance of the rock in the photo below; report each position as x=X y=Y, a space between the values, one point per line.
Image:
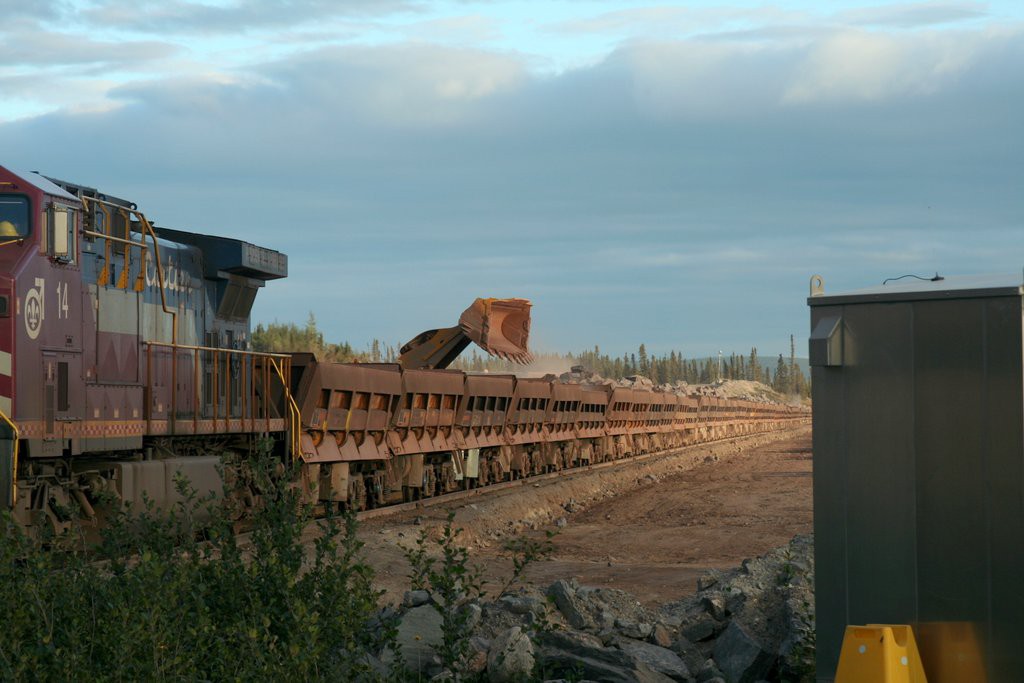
x=707 y=581
x=700 y=629
x=580 y=655
x=735 y=601
x=714 y=605
x=476 y=658
x=419 y=634
x=416 y=598
x=632 y=629
x=709 y=672
x=659 y=659
x=510 y=657
x=561 y=522
x=688 y=652
x=564 y=594
x=740 y=657
x=523 y=604
x=473 y=613
x=661 y=636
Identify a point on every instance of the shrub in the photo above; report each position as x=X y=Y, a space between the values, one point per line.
x=161 y=598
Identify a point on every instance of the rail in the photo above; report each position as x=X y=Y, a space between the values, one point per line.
x=254 y=391
x=294 y=414
x=14 y=456
x=281 y=363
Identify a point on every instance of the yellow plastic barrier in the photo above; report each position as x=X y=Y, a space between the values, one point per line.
x=880 y=653
x=952 y=652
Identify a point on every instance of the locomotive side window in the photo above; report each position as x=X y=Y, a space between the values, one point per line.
x=13 y=217
x=61 y=222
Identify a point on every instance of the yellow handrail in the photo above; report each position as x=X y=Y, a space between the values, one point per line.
x=294 y=414
x=14 y=467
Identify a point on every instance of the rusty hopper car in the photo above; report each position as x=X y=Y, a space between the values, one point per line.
x=125 y=360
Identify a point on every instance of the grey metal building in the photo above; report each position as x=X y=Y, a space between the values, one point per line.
x=919 y=470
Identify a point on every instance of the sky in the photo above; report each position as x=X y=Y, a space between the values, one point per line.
x=666 y=174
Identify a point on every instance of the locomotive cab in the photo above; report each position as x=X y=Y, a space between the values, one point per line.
x=39 y=313
x=120 y=342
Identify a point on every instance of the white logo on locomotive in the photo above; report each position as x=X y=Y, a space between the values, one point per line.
x=174 y=277
x=34 y=309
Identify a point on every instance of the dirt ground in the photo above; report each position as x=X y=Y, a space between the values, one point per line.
x=650 y=529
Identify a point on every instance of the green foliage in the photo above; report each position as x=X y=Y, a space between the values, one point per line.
x=155 y=600
x=453 y=583
x=288 y=337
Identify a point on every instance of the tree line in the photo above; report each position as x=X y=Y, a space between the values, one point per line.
x=783 y=375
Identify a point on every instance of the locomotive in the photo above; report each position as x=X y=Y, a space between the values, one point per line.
x=126 y=361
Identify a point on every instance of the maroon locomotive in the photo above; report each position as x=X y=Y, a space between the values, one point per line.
x=125 y=360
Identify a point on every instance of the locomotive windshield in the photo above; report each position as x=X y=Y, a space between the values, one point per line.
x=13 y=216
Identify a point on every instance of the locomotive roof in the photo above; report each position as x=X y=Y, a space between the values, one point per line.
x=41 y=183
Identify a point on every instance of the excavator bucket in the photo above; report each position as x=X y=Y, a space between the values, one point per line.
x=501 y=327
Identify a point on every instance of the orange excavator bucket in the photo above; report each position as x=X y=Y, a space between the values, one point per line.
x=501 y=327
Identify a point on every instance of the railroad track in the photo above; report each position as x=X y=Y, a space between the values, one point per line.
x=570 y=472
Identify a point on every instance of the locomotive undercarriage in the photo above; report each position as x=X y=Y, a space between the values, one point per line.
x=55 y=494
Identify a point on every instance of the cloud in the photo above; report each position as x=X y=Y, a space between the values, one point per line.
x=682 y=176
x=915 y=15
x=663 y=21
x=30 y=44
x=162 y=16
x=858 y=65
x=458 y=30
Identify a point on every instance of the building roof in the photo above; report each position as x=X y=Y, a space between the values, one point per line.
x=910 y=289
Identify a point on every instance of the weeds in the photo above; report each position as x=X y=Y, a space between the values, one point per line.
x=156 y=600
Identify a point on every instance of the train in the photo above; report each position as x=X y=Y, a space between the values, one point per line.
x=126 y=361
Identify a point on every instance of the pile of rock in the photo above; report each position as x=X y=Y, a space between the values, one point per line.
x=744 y=625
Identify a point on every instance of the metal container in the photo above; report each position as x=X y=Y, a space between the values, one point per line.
x=919 y=470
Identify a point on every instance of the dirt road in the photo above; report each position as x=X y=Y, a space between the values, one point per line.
x=650 y=530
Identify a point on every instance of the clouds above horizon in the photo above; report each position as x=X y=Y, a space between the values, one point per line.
x=687 y=185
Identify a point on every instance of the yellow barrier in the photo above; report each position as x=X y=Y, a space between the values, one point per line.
x=880 y=653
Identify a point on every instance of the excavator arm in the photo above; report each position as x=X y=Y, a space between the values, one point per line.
x=501 y=327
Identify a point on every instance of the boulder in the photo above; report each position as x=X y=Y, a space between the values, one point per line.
x=714 y=605
x=475 y=661
x=709 y=672
x=661 y=636
x=631 y=629
x=415 y=598
x=572 y=608
x=419 y=634
x=473 y=613
x=510 y=657
x=583 y=655
x=700 y=629
x=523 y=604
x=658 y=658
x=740 y=657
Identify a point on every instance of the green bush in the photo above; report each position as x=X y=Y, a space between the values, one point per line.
x=162 y=597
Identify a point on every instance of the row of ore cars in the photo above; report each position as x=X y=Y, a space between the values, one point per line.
x=374 y=433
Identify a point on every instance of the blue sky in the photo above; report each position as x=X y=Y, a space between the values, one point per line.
x=670 y=174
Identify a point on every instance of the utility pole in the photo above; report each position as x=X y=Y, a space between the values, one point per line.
x=792 y=363
x=719 y=364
